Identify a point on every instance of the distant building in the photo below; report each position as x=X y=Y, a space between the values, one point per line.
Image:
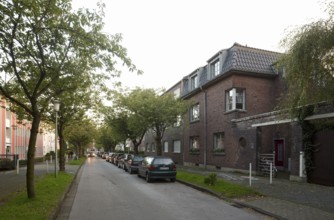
x=15 y=134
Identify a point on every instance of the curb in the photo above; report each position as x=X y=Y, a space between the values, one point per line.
x=55 y=214
x=233 y=202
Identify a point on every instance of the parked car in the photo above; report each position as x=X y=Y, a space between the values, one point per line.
x=123 y=160
x=109 y=157
x=116 y=158
x=157 y=167
x=132 y=164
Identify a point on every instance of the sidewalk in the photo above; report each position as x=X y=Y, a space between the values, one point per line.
x=283 y=199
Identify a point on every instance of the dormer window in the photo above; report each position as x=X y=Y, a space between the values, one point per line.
x=214 y=68
x=194 y=81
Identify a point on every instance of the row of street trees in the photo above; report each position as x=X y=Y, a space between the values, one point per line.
x=134 y=113
x=48 y=51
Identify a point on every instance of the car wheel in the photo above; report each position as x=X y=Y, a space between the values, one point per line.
x=148 y=179
x=172 y=180
x=138 y=175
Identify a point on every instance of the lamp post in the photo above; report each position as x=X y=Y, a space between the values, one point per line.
x=56 y=105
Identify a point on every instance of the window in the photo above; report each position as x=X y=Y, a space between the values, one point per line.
x=177 y=93
x=215 y=68
x=176 y=146
x=194 y=82
x=194 y=113
x=153 y=147
x=194 y=144
x=147 y=148
x=166 y=146
x=178 y=121
x=235 y=99
x=242 y=142
x=218 y=142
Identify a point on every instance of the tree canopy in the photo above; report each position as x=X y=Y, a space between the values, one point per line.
x=143 y=109
x=309 y=62
x=46 y=48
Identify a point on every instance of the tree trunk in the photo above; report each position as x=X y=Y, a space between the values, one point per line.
x=30 y=184
x=158 y=138
x=62 y=150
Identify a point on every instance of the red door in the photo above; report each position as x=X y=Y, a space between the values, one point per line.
x=279 y=153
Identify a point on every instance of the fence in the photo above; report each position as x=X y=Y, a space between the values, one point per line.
x=8 y=161
x=264 y=164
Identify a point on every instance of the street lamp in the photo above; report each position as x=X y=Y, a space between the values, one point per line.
x=56 y=105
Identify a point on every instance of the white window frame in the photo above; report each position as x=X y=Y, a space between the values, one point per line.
x=233 y=101
x=176 y=146
x=153 y=147
x=218 y=141
x=194 y=143
x=178 y=121
x=215 y=68
x=166 y=147
x=194 y=113
x=194 y=81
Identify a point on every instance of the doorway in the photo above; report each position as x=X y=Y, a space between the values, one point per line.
x=279 y=152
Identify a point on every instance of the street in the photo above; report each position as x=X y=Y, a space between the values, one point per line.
x=107 y=192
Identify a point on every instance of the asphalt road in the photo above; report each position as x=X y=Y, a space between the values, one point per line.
x=107 y=192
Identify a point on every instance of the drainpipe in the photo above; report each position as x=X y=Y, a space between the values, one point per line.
x=205 y=127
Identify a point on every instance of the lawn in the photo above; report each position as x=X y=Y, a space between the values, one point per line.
x=49 y=193
x=222 y=187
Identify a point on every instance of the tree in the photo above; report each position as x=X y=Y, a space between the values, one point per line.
x=108 y=139
x=309 y=63
x=146 y=109
x=80 y=134
x=45 y=48
x=309 y=66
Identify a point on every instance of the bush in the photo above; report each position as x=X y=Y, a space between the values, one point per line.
x=211 y=179
x=6 y=164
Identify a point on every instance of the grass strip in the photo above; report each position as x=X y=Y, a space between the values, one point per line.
x=77 y=162
x=222 y=187
x=49 y=191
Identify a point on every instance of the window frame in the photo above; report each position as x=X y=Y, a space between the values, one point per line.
x=193 y=147
x=231 y=99
x=179 y=150
x=194 y=81
x=215 y=68
x=153 y=147
x=193 y=117
x=165 y=147
x=216 y=147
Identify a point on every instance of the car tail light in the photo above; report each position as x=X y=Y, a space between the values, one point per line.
x=151 y=167
x=174 y=167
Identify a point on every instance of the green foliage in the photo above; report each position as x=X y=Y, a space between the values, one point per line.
x=46 y=50
x=211 y=179
x=80 y=134
x=50 y=192
x=139 y=110
x=79 y=161
x=309 y=63
x=224 y=188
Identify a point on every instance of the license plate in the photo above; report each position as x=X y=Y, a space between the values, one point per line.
x=164 y=168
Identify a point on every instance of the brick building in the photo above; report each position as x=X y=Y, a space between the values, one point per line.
x=233 y=122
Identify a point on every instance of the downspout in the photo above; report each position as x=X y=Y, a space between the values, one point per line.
x=205 y=128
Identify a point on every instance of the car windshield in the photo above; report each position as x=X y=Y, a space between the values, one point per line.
x=137 y=158
x=160 y=161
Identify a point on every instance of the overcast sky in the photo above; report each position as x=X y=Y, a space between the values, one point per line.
x=168 y=39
